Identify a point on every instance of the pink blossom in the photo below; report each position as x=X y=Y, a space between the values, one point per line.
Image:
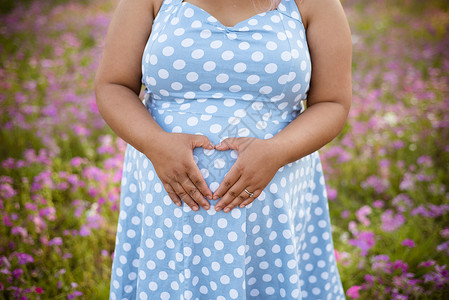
x=24 y=258
x=18 y=230
x=7 y=191
x=85 y=230
x=425 y=160
x=55 y=241
x=48 y=212
x=361 y=214
x=8 y=163
x=331 y=193
x=7 y=221
x=31 y=206
x=77 y=161
x=364 y=240
x=445 y=232
x=427 y=263
x=17 y=273
x=353 y=291
x=408 y=243
x=391 y=221
x=345 y=213
x=378 y=204
x=378 y=184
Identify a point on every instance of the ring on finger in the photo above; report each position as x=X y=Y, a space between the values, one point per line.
x=250 y=194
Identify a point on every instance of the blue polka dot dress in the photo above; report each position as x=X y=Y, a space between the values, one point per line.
x=250 y=79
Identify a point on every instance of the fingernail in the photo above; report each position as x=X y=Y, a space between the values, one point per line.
x=215 y=197
x=206 y=207
x=227 y=209
x=217 y=208
x=195 y=208
x=178 y=204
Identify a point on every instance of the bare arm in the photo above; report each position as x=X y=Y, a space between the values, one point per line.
x=117 y=88
x=330 y=93
x=118 y=78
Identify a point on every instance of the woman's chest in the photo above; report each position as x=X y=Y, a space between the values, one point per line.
x=189 y=50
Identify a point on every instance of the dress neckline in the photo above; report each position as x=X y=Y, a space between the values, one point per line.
x=239 y=24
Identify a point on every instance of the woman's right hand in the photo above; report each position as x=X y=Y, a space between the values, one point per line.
x=173 y=162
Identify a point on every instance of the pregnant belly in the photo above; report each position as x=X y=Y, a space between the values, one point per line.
x=217 y=120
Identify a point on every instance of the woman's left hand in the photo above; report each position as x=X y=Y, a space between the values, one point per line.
x=257 y=162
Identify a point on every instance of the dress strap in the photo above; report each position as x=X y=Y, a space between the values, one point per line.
x=290 y=8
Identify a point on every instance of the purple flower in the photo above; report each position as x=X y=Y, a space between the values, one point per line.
x=408 y=243
x=408 y=182
x=24 y=258
x=364 y=240
x=391 y=221
x=445 y=232
x=362 y=213
x=427 y=263
x=353 y=291
x=18 y=230
x=6 y=191
x=331 y=193
x=85 y=230
x=345 y=213
x=17 y=273
x=425 y=160
x=55 y=241
x=378 y=184
x=378 y=204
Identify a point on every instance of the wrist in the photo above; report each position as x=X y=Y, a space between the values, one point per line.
x=278 y=150
x=155 y=143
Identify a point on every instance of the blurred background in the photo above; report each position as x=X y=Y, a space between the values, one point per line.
x=60 y=164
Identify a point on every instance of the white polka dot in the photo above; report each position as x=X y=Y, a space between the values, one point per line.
x=215 y=128
x=187 y=42
x=167 y=51
x=252 y=79
x=240 y=67
x=192 y=121
x=209 y=65
x=197 y=53
x=227 y=55
x=257 y=56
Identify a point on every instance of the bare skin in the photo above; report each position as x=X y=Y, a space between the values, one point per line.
x=118 y=84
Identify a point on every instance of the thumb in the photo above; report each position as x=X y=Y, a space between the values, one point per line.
x=202 y=141
x=229 y=143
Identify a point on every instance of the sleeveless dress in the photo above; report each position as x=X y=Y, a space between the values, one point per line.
x=250 y=79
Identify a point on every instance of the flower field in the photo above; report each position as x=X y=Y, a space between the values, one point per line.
x=60 y=164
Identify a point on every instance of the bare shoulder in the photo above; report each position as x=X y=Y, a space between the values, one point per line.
x=125 y=41
x=314 y=9
x=329 y=40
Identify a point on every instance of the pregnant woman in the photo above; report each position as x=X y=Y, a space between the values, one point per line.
x=222 y=194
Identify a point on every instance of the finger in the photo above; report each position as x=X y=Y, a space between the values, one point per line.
x=229 y=180
x=234 y=192
x=171 y=192
x=243 y=197
x=202 y=141
x=194 y=193
x=183 y=195
x=197 y=178
x=228 y=143
x=249 y=200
